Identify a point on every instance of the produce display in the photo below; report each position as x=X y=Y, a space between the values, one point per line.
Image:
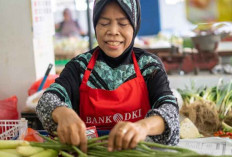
x=161 y=40
x=96 y=148
x=205 y=112
x=209 y=108
x=67 y=48
x=204 y=115
x=71 y=46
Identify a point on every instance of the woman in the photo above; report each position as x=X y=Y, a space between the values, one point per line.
x=114 y=87
x=68 y=27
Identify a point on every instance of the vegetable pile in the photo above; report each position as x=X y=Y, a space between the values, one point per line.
x=96 y=148
x=221 y=95
x=214 y=103
x=204 y=115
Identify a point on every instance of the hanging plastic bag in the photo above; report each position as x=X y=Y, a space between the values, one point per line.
x=8 y=108
x=34 y=87
x=32 y=100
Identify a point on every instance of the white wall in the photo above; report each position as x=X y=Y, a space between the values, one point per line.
x=16 y=50
x=20 y=63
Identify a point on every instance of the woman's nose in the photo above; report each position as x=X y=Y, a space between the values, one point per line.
x=113 y=30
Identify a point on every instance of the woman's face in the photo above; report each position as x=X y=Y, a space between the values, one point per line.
x=67 y=15
x=114 y=31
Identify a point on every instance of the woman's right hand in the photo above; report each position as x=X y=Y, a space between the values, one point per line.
x=71 y=129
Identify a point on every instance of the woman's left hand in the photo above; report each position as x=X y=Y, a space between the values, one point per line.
x=126 y=135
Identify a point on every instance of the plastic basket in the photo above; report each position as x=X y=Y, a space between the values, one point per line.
x=13 y=129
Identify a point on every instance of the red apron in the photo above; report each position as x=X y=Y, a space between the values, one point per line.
x=104 y=108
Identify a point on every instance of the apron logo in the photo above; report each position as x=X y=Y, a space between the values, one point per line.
x=116 y=118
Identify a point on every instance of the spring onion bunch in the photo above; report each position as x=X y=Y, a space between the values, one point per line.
x=97 y=147
x=221 y=95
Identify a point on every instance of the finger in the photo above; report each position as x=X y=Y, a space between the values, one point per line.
x=135 y=140
x=75 y=139
x=111 y=139
x=127 y=139
x=62 y=138
x=83 y=138
x=119 y=137
x=60 y=135
x=67 y=135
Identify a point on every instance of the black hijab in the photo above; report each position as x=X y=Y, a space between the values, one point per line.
x=133 y=12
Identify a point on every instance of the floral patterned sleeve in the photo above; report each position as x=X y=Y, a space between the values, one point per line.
x=171 y=133
x=47 y=103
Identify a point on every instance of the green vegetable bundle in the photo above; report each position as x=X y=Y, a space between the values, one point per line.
x=221 y=95
x=96 y=148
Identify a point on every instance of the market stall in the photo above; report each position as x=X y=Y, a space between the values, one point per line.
x=195 y=49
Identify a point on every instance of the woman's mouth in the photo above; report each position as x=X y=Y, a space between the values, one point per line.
x=113 y=43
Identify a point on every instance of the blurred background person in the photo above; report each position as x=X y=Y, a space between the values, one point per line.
x=68 y=27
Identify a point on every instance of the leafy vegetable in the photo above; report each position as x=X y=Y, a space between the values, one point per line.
x=4 y=144
x=46 y=153
x=97 y=148
x=221 y=95
x=7 y=154
x=28 y=150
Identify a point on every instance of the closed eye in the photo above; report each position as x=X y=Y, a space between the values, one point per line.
x=122 y=24
x=104 y=24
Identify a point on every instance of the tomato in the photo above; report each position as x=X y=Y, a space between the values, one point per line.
x=224 y=135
